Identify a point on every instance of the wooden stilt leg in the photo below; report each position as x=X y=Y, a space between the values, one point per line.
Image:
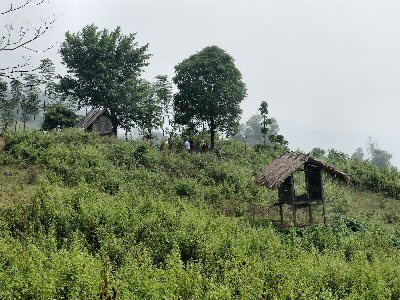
x=281 y=213
x=323 y=212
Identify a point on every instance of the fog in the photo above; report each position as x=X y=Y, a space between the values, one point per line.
x=329 y=70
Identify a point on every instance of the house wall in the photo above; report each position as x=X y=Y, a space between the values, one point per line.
x=102 y=125
x=314 y=183
x=286 y=191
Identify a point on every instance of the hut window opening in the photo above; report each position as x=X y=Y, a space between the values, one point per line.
x=300 y=185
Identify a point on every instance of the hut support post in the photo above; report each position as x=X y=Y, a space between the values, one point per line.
x=281 y=213
x=310 y=214
x=293 y=196
x=323 y=202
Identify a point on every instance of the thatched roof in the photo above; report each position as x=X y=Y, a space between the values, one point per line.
x=90 y=118
x=281 y=168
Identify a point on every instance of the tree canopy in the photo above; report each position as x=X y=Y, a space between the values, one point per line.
x=4 y=107
x=30 y=100
x=358 y=154
x=317 y=152
x=379 y=157
x=251 y=131
x=153 y=106
x=59 y=115
x=102 y=68
x=265 y=121
x=210 y=90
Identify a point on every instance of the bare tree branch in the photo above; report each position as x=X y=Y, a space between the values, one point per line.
x=20 y=38
x=20 y=42
x=28 y=2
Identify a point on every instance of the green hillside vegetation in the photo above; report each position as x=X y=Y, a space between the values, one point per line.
x=88 y=217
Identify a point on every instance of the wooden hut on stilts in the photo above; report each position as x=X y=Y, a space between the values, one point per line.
x=280 y=175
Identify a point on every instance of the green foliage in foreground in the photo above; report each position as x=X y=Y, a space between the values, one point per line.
x=157 y=217
x=368 y=176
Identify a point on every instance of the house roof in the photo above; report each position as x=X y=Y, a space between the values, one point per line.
x=274 y=174
x=90 y=118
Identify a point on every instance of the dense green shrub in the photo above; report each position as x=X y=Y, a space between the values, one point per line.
x=186 y=187
x=167 y=223
x=41 y=271
x=365 y=175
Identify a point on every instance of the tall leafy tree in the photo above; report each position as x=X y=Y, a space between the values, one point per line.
x=132 y=94
x=163 y=93
x=150 y=115
x=379 y=157
x=358 y=154
x=16 y=97
x=30 y=100
x=5 y=113
x=210 y=90
x=266 y=129
x=47 y=77
x=101 y=68
x=154 y=106
x=251 y=131
x=265 y=120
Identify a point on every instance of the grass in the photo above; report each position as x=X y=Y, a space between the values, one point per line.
x=179 y=226
x=373 y=207
x=17 y=185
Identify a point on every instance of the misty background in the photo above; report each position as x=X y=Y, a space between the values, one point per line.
x=329 y=71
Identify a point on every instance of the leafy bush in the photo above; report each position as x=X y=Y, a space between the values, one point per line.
x=186 y=188
x=58 y=115
x=367 y=176
x=98 y=197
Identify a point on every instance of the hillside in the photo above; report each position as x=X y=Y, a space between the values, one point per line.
x=84 y=217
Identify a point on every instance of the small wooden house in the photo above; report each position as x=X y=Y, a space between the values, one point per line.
x=280 y=175
x=96 y=120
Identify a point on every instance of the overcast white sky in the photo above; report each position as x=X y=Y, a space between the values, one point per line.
x=329 y=70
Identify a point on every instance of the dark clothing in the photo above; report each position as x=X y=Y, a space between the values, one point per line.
x=191 y=145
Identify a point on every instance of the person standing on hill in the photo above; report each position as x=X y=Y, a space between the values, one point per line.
x=187 y=146
x=191 y=146
x=203 y=147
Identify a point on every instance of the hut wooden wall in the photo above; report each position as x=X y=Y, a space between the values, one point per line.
x=102 y=125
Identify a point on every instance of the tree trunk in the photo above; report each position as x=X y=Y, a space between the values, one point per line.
x=212 y=139
x=149 y=135
x=212 y=131
x=114 y=129
x=114 y=123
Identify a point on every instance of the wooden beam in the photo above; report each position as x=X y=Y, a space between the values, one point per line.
x=323 y=202
x=292 y=194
